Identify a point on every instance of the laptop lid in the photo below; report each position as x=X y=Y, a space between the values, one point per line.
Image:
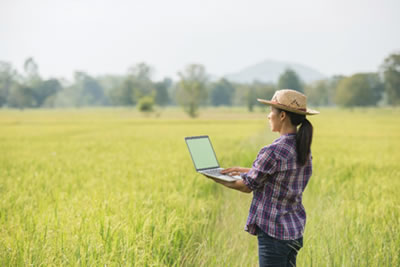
x=202 y=152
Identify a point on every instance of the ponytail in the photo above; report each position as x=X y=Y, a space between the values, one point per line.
x=303 y=135
x=303 y=141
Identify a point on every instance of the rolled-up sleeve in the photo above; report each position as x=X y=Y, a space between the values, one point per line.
x=264 y=165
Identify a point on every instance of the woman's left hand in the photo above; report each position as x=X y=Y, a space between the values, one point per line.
x=234 y=171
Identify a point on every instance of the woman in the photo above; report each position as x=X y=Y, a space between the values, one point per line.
x=277 y=179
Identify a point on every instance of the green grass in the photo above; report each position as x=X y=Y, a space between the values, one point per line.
x=114 y=187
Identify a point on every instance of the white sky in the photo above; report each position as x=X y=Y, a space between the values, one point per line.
x=334 y=37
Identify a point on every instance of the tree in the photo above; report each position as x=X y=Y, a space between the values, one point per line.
x=391 y=75
x=222 y=93
x=318 y=93
x=263 y=90
x=146 y=103
x=89 y=89
x=173 y=94
x=162 y=97
x=361 y=89
x=192 y=88
x=290 y=80
x=141 y=71
x=31 y=70
x=253 y=91
x=33 y=80
x=111 y=85
x=332 y=86
x=45 y=89
x=123 y=95
x=38 y=89
x=85 y=91
x=21 y=97
x=140 y=81
x=251 y=98
x=7 y=75
x=69 y=96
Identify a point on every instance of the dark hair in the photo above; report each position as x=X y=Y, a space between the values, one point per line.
x=303 y=135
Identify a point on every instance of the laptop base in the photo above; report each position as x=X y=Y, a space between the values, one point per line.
x=222 y=177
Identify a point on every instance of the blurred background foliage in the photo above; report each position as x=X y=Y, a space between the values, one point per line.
x=194 y=88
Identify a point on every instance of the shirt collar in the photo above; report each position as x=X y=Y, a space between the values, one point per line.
x=288 y=135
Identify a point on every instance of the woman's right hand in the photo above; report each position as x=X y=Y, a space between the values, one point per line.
x=235 y=171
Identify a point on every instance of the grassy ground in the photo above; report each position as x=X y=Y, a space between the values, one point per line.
x=112 y=186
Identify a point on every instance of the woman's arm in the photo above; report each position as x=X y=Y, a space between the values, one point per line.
x=238 y=184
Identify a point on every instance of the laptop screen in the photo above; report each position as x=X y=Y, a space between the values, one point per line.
x=203 y=155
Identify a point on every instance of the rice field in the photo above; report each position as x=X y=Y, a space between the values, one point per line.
x=96 y=187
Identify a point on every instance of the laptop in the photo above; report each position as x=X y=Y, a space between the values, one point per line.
x=204 y=158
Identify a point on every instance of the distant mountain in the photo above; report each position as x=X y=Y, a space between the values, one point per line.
x=270 y=70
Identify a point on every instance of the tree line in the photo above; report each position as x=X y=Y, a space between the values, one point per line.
x=193 y=90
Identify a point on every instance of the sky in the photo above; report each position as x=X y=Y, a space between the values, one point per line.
x=107 y=37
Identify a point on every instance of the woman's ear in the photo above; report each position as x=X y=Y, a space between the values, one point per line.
x=282 y=115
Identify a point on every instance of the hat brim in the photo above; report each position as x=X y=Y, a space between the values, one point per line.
x=284 y=107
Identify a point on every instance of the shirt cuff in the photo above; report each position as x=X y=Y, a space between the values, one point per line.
x=248 y=181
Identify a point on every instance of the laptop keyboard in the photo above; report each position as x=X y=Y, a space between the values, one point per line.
x=215 y=172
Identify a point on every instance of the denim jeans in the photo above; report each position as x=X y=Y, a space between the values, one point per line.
x=275 y=252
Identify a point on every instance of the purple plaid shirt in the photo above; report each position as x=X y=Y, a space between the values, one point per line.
x=278 y=182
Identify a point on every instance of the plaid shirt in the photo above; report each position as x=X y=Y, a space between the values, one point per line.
x=278 y=182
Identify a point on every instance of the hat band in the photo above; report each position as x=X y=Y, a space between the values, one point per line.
x=301 y=109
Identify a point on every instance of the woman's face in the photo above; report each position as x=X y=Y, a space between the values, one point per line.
x=275 y=121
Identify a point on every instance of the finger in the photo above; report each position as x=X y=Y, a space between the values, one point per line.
x=226 y=170
x=231 y=169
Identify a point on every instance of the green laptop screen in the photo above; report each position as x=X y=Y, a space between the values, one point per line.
x=202 y=153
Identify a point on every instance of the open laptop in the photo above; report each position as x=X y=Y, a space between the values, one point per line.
x=204 y=158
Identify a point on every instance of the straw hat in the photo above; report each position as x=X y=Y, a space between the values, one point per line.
x=290 y=100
